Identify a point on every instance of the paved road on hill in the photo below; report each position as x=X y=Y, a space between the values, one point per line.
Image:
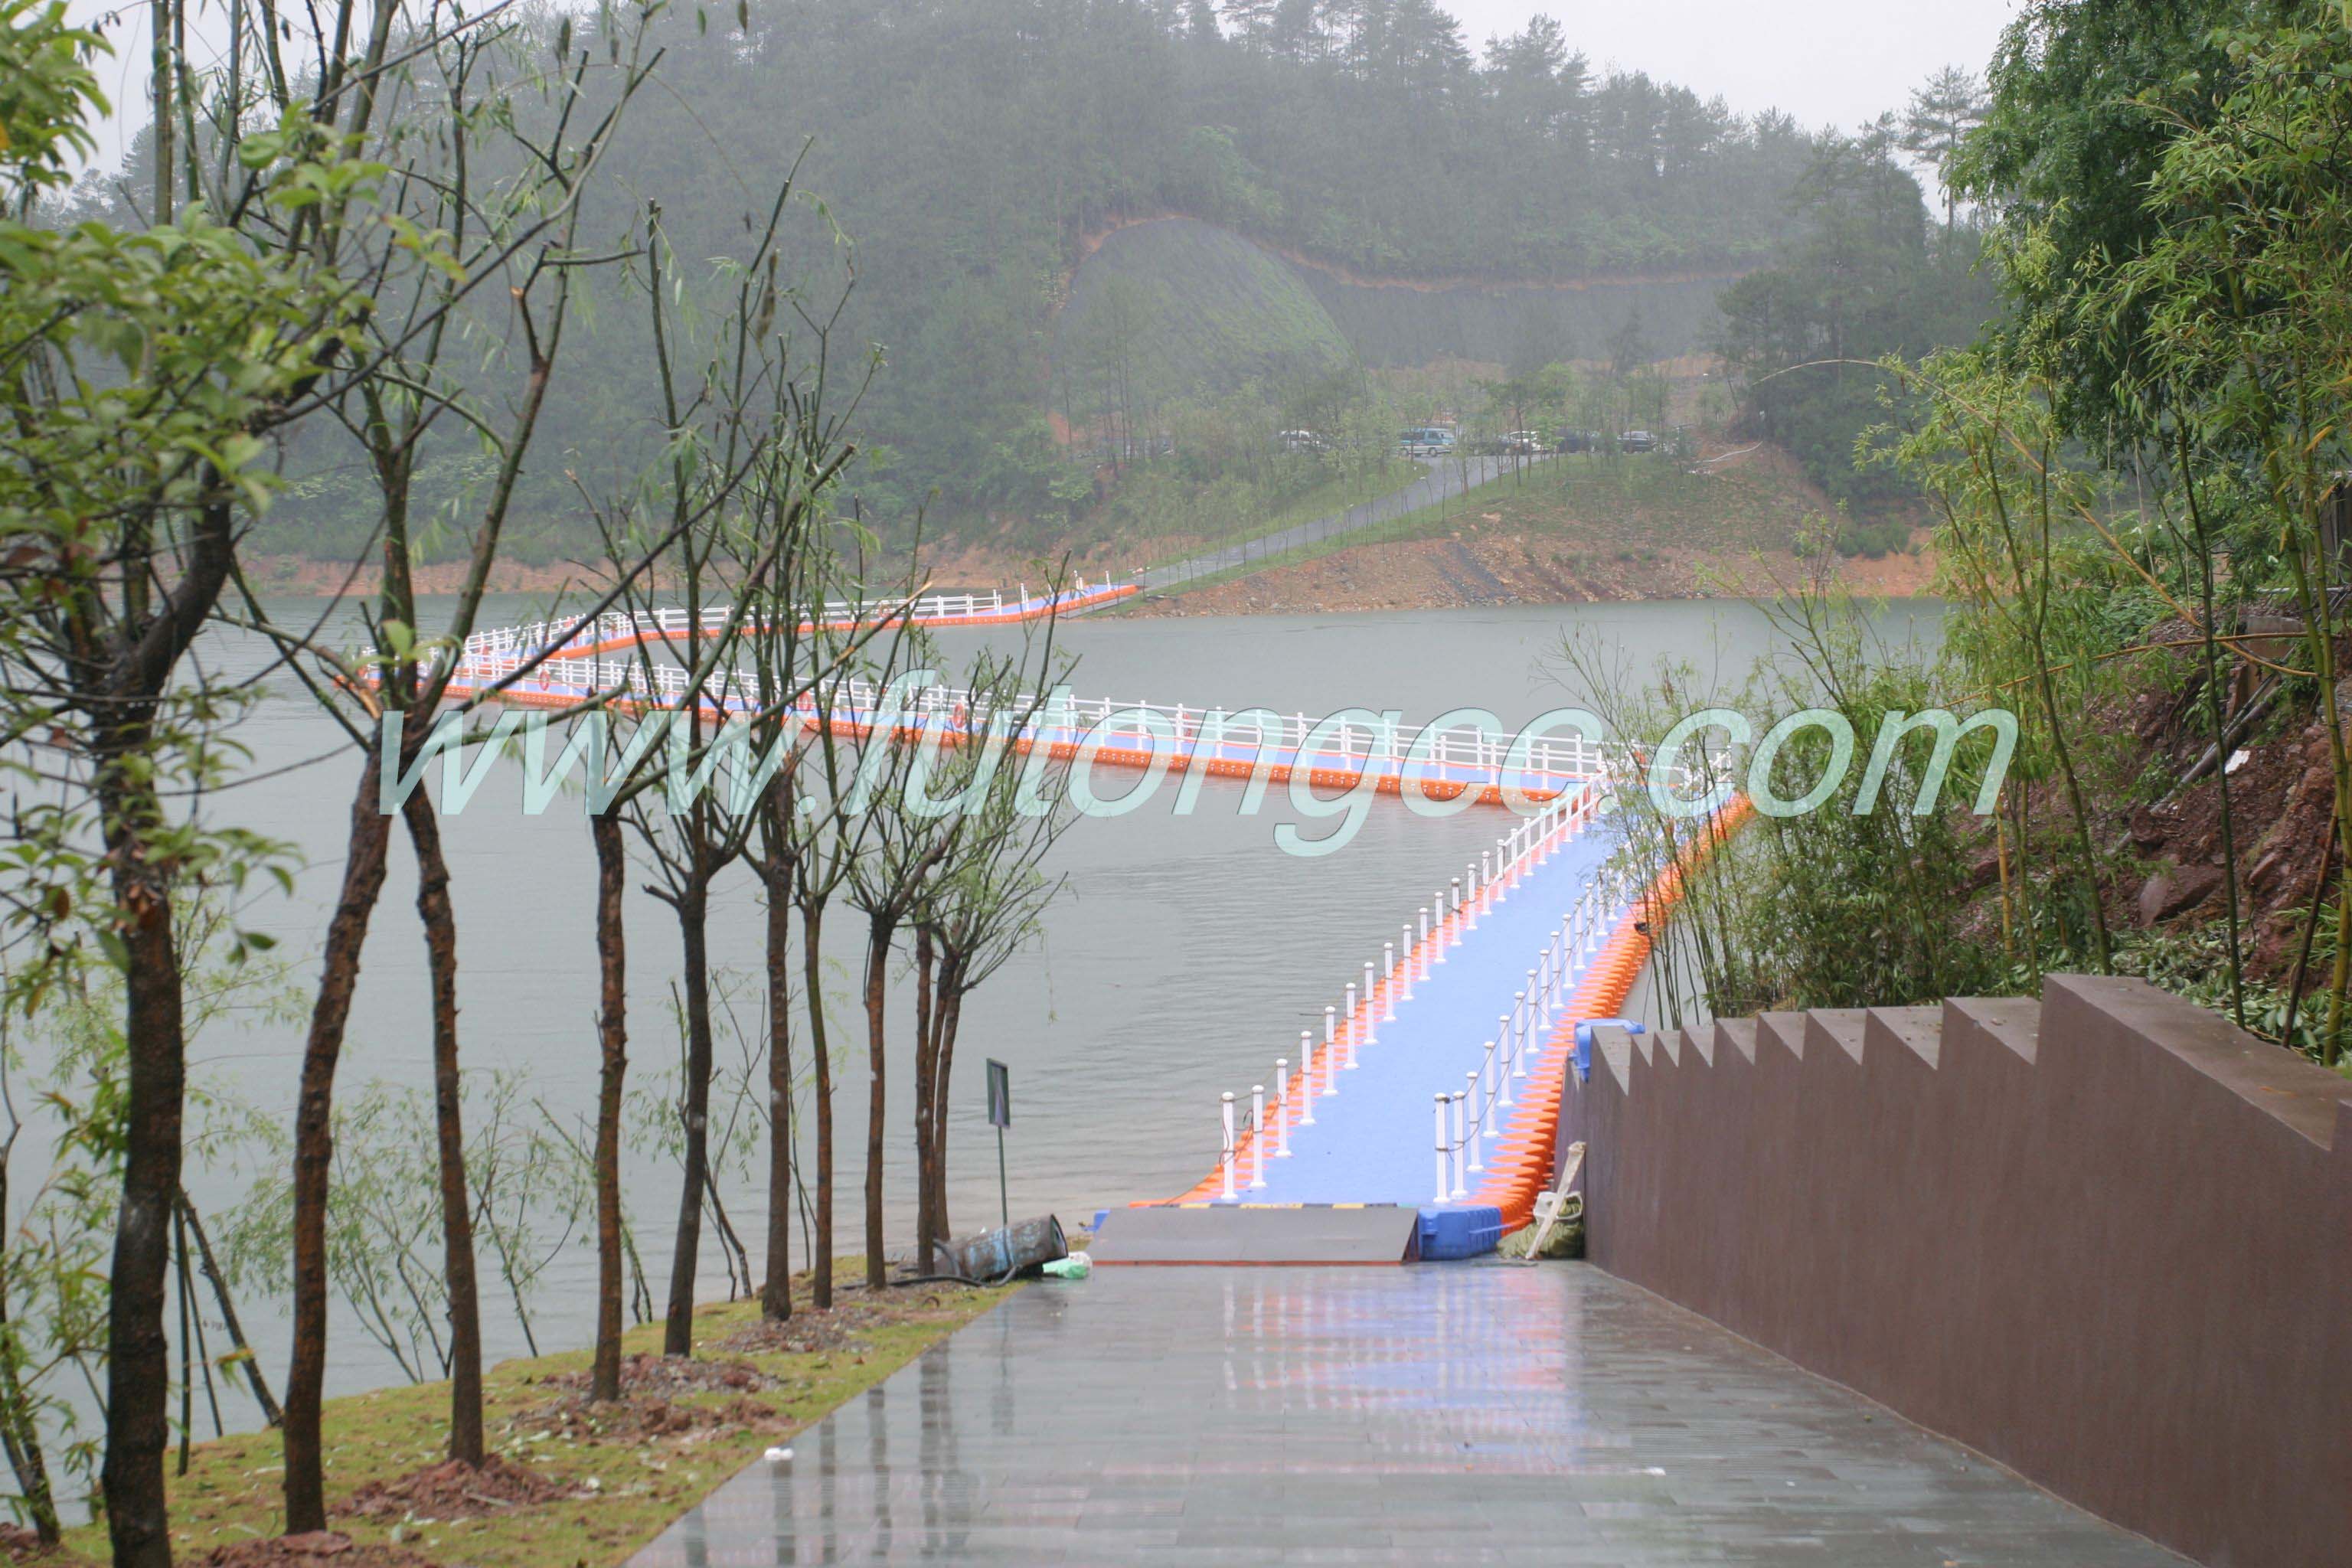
x=1425 y=1415
x=1443 y=481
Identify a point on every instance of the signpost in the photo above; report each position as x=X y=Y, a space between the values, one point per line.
x=1000 y=1116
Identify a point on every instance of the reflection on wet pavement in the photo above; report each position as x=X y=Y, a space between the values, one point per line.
x=1435 y=1415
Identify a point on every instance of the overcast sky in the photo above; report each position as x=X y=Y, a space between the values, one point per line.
x=1828 y=62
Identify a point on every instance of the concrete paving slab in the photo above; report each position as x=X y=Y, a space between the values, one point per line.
x=1466 y=1414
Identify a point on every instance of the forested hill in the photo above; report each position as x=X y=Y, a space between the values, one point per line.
x=1361 y=132
x=967 y=147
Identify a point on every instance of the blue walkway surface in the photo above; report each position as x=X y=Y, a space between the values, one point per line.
x=1372 y=1143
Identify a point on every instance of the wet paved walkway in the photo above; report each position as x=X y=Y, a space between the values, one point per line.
x=1438 y=1415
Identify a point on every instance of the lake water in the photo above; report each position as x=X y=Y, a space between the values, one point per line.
x=1186 y=953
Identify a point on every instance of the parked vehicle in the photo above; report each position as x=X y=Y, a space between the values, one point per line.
x=1521 y=444
x=1311 y=442
x=1425 y=441
x=1580 y=441
x=1638 y=441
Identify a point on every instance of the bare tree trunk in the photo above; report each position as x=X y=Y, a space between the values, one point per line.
x=776 y=1292
x=612 y=1048
x=877 y=971
x=821 y=1061
x=693 y=925
x=138 y=1367
x=305 y=1489
x=221 y=1297
x=20 y=1435
x=925 y=1231
x=950 y=1015
x=440 y=921
x=187 y=1344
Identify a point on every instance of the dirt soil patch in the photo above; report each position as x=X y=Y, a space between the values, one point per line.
x=454 y=1490
x=800 y=1334
x=643 y=1415
x=672 y=1376
x=313 y=1549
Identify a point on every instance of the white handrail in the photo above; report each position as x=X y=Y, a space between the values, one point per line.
x=1445 y=754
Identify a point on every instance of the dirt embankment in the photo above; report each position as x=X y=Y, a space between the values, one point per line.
x=2282 y=796
x=1478 y=564
x=1727 y=525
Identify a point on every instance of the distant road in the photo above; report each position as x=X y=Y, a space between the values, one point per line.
x=1444 y=480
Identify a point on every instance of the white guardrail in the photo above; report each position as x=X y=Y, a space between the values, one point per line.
x=1455 y=754
x=578 y=633
x=1519 y=1034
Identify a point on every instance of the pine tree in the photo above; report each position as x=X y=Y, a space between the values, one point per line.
x=1941 y=114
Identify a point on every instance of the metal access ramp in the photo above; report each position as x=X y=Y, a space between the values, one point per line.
x=1306 y=1233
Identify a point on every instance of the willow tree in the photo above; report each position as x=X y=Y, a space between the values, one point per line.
x=982 y=902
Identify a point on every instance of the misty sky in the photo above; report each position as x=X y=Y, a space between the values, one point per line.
x=1828 y=62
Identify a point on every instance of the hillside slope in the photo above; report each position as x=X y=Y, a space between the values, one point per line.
x=1575 y=531
x=952 y=155
x=1200 y=311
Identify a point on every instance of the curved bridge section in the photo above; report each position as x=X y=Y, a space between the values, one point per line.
x=1156 y=738
x=588 y=636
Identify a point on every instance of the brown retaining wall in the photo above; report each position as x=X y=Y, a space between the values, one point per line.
x=2104 y=1238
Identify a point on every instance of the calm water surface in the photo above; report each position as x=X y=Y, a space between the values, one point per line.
x=1185 y=955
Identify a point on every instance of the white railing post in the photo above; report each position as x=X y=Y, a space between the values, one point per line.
x=1487 y=1102
x=1306 y=1078
x=1470 y=903
x=1459 y=1190
x=1282 y=1108
x=1526 y=1036
x=1457 y=927
x=1227 y=1107
x=1371 y=1012
x=1443 y=1190
x=1257 y=1136
x=1349 y=1026
x=1498 y=1053
x=1433 y=953
x=1389 y=997
x=1330 y=1057
x=1477 y=1136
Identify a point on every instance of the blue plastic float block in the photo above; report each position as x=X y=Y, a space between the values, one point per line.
x=1584 y=1040
x=1471 y=1231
